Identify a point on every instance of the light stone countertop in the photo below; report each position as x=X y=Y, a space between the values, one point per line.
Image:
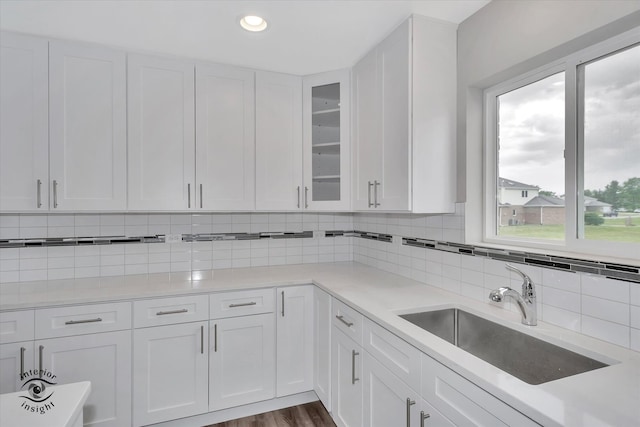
x=608 y=396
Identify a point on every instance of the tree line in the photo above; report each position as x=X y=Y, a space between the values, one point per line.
x=625 y=196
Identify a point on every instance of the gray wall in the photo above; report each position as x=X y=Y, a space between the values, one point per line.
x=507 y=38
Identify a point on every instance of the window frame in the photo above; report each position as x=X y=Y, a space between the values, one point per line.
x=571 y=65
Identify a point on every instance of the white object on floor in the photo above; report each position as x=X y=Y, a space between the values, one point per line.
x=62 y=409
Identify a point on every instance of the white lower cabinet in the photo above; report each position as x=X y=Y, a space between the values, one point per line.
x=171 y=366
x=463 y=402
x=15 y=358
x=346 y=380
x=322 y=346
x=387 y=400
x=102 y=358
x=294 y=332
x=242 y=360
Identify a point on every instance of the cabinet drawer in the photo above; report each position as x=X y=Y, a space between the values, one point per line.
x=397 y=355
x=242 y=303
x=463 y=402
x=83 y=319
x=168 y=311
x=347 y=320
x=16 y=326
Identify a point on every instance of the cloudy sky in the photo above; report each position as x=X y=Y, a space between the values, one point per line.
x=531 y=126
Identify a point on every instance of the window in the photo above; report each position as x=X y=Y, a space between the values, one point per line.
x=566 y=140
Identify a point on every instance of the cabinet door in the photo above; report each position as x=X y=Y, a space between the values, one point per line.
x=161 y=146
x=294 y=340
x=24 y=133
x=225 y=138
x=463 y=402
x=346 y=381
x=88 y=140
x=105 y=360
x=430 y=417
x=394 y=74
x=322 y=346
x=327 y=166
x=278 y=142
x=170 y=367
x=15 y=358
x=242 y=361
x=367 y=149
x=387 y=400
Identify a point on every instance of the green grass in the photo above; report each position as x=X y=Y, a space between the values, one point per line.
x=613 y=229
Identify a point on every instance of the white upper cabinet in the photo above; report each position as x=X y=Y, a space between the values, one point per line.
x=161 y=134
x=88 y=139
x=367 y=161
x=225 y=138
x=279 y=142
x=404 y=143
x=327 y=166
x=24 y=125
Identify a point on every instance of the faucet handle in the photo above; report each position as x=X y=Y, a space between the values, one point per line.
x=528 y=288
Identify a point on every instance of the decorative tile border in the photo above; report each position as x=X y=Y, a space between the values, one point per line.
x=609 y=270
x=79 y=241
x=209 y=237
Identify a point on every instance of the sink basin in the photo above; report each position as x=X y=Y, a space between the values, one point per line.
x=530 y=359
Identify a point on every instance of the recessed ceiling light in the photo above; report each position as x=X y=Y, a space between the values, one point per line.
x=253 y=23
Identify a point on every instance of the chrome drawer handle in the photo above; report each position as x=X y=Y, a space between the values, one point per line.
x=353 y=366
x=341 y=318
x=423 y=416
x=409 y=404
x=76 y=322
x=22 y=350
x=244 y=304
x=162 y=313
x=39 y=193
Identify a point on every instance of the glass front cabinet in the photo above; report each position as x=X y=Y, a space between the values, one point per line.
x=326 y=141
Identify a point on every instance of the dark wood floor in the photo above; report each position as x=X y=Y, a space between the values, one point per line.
x=308 y=415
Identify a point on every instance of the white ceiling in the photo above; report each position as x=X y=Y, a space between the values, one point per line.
x=304 y=36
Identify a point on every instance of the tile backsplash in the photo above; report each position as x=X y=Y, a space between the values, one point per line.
x=591 y=304
x=67 y=262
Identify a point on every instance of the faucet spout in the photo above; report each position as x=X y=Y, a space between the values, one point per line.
x=526 y=302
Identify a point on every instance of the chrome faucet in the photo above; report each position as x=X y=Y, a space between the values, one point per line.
x=526 y=301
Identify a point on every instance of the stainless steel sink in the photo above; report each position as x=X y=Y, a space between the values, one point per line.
x=530 y=359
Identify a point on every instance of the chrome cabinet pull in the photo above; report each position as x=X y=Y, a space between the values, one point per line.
x=200 y=196
x=76 y=322
x=409 y=404
x=244 y=304
x=423 y=416
x=306 y=197
x=215 y=338
x=375 y=194
x=201 y=339
x=55 y=193
x=341 y=318
x=40 y=351
x=39 y=193
x=162 y=313
x=22 y=350
x=189 y=196
x=298 y=197
x=282 y=312
x=353 y=366
x=369 y=184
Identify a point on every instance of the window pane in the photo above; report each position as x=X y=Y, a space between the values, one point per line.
x=612 y=147
x=531 y=160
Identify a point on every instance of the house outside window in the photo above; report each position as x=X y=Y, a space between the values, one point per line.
x=562 y=166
